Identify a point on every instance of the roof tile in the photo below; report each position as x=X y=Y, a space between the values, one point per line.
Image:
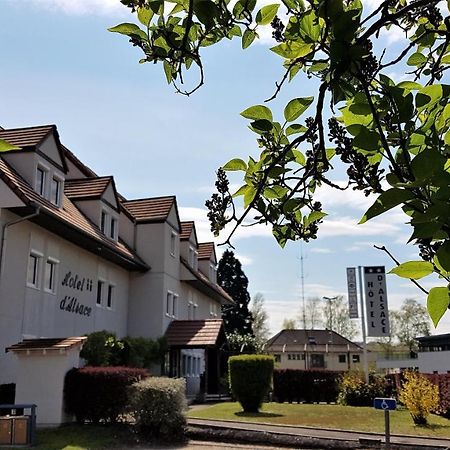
x=46 y=344
x=194 y=333
x=205 y=250
x=86 y=188
x=150 y=209
x=26 y=137
x=186 y=230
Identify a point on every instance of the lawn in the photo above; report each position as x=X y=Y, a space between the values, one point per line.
x=327 y=416
x=86 y=437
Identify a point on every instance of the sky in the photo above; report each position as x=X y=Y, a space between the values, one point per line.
x=61 y=66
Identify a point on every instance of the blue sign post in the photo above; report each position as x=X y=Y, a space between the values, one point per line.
x=386 y=404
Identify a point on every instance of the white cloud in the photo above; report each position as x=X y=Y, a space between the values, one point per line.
x=82 y=7
x=332 y=198
x=321 y=250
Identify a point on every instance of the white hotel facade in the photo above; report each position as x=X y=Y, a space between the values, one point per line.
x=77 y=257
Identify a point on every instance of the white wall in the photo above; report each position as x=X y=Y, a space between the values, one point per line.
x=429 y=362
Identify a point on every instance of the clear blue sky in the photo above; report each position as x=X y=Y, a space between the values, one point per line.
x=61 y=66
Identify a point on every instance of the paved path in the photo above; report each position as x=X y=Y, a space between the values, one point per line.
x=322 y=433
x=206 y=445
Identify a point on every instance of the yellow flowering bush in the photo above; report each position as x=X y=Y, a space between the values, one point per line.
x=419 y=395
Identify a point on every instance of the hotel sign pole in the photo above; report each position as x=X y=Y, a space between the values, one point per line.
x=363 y=325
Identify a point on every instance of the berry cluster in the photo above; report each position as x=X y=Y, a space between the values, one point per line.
x=365 y=176
x=427 y=249
x=369 y=64
x=278 y=29
x=219 y=203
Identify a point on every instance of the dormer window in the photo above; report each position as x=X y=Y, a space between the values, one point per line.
x=192 y=257
x=113 y=229
x=41 y=178
x=173 y=243
x=103 y=221
x=55 y=191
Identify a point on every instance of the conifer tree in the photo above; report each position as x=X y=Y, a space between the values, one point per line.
x=237 y=318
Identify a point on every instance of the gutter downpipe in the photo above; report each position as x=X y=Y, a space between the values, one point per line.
x=5 y=229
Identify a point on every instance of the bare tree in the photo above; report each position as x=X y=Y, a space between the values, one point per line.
x=337 y=319
x=289 y=324
x=260 y=327
x=311 y=316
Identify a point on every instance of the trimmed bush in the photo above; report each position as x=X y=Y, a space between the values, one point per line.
x=250 y=379
x=158 y=404
x=102 y=348
x=419 y=395
x=291 y=385
x=354 y=391
x=142 y=352
x=99 y=394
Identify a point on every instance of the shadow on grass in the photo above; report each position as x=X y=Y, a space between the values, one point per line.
x=433 y=427
x=258 y=414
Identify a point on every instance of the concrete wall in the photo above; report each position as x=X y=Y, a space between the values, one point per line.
x=40 y=380
x=430 y=362
x=70 y=310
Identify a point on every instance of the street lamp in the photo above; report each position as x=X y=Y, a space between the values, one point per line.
x=330 y=309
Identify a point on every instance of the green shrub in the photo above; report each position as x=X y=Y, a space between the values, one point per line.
x=102 y=348
x=250 y=379
x=158 y=404
x=99 y=394
x=354 y=391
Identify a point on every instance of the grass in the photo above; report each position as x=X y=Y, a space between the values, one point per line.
x=86 y=437
x=327 y=416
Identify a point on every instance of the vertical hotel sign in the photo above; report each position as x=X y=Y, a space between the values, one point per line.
x=376 y=301
x=352 y=295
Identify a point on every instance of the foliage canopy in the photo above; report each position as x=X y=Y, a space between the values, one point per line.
x=393 y=136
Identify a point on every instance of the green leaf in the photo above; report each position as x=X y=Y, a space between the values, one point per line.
x=437 y=303
x=241 y=191
x=295 y=128
x=411 y=85
x=168 y=71
x=247 y=38
x=6 y=146
x=443 y=256
x=128 y=29
x=235 y=164
x=257 y=112
x=296 y=107
x=145 y=15
x=291 y=50
x=314 y=217
x=299 y=157
x=387 y=200
x=266 y=14
x=416 y=59
x=414 y=270
x=262 y=125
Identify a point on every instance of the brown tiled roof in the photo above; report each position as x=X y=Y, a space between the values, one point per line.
x=26 y=137
x=309 y=337
x=86 y=188
x=194 y=333
x=46 y=344
x=205 y=250
x=202 y=281
x=150 y=209
x=68 y=215
x=186 y=230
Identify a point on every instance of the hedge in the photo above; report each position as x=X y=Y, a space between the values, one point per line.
x=250 y=379
x=99 y=393
x=157 y=405
x=290 y=385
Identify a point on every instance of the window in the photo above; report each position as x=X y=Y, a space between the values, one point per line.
x=50 y=275
x=277 y=358
x=168 y=303
x=342 y=358
x=103 y=221
x=174 y=305
x=109 y=299
x=173 y=242
x=100 y=288
x=355 y=358
x=191 y=256
x=41 y=177
x=317 y=360
x=113 y=229
x=311 y=340
x=33 y=270
x=55 y=191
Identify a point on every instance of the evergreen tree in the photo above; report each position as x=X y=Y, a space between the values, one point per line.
x=237 y=317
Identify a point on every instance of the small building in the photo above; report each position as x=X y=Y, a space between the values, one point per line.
x=433 y=356
x=314 y=350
